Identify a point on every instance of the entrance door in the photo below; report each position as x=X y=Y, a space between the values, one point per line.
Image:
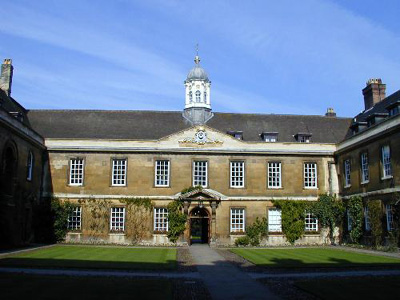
x=199 y=226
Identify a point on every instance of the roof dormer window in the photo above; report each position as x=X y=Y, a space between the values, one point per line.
x=356 y=127
x=236 y=134
x=303 y=137
x=269 y=137
x=376 y=118
x=394 y=108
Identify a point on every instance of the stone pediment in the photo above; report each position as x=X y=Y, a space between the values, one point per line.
x=199 y=137
x=200 y=195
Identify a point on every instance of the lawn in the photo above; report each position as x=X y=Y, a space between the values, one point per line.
x=314 y=257
x=93 y=257
x=20 y=286
x=352 y=288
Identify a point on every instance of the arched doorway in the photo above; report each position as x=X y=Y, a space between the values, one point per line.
x=199 y=226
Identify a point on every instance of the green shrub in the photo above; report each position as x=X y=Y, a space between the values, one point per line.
x=355 y=209
x=60 y=212
x=375 y=214
x=256 y=231
x=242 y=241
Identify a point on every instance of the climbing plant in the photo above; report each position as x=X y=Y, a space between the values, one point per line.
x=293 y=215
x=330 y=212
x=176 y=220
x=138 y=217
x=355 y=210
x=60 y=210
x=375 y=214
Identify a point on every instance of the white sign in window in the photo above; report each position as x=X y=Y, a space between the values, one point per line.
x=274 y=220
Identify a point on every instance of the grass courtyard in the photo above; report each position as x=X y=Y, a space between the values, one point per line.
x=314 y=258
x=94 y=257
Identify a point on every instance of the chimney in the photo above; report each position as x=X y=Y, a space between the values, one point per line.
x=330 y=112
x=374 y=92
x=6 y=76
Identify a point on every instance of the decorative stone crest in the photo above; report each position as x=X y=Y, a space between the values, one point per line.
x=200 y=138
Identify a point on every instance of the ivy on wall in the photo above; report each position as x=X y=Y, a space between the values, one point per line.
x=355 y=210
x=293 y=215
x=176 y=220
x=60 y=210
x=330 y=212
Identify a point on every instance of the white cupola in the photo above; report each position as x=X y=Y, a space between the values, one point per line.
x=197 y=87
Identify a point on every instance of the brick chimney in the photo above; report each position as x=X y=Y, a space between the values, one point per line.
x=6 y=76
x=374 y=92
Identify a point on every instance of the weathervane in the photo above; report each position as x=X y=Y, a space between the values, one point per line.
x=197 y=58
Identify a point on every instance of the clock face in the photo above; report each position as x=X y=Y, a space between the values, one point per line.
x=200 y=136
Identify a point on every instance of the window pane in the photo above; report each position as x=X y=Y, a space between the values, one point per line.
x=76 y=171
x=162 y=173
x=160 y=219
x=237 y=219
x=237 y=173
x=274 y=175
x=74 y=219
x=119 y=172
x=117 y=221
x=200 y=173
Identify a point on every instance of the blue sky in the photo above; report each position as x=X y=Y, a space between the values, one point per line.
x=282 y=57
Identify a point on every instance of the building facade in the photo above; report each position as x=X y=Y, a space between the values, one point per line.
x=103 y=161
x=22 y=152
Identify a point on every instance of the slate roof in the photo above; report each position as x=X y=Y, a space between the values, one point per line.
x=378 y=109
x=144 y=125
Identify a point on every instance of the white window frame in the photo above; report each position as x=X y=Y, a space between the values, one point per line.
x=310 y=175
x=349 y=221
x=304 y=138
x=75 y=218
x=238 y=220
x=274 y=176
x=161 y=223
x=347 y=173
x=270 y=138
x=162 y=173
x=76 y=171
x=119 y=168
x=237 y=173
x=366 y=219
x=274 y=220
x=310 y=222
x=386 y=162
x=364 y=167
x=29 y=166
x=200 y=166
x=117 y=219
x=389 y=217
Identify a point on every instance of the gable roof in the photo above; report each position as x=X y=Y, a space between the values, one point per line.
x=152 y=125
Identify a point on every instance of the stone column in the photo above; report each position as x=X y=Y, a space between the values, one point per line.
x=213 y=223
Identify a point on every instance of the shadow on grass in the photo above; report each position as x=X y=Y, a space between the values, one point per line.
x=22 y=286
x=332 y=263
x=18 y=262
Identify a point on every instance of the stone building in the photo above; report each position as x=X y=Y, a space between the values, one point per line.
x=101 y=159
x=21 y=159
x=369 y=157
